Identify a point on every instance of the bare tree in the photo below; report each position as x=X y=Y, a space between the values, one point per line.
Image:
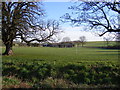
x=24 y=20
x=82 y=40
x=117 y=40
x=100 y=16
x=107 y=40
x=118 y=37
x=66 y=39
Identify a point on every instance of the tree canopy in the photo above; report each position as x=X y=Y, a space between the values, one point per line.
x=97 y=16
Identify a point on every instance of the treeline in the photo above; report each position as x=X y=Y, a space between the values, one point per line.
x=47 y=44
x=110 y=45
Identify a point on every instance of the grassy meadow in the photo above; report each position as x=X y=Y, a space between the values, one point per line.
x=44 y=66
x=59 y=56
x=63 y=55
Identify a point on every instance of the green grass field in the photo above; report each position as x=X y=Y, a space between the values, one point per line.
x=64 y=55
x=45 y=66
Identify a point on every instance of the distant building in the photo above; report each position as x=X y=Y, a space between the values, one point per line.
x=60 y=45
x=66 y=44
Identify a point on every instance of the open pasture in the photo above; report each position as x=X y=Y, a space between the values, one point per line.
x=37 y=66
x=63 y=55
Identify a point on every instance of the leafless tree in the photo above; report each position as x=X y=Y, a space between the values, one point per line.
x=107 y=40
x=118 y=37
x=82 y=40
x=97 y=16
x=24 y=20
x=66 y=39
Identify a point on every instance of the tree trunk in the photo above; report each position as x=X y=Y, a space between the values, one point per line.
x=8 y=50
